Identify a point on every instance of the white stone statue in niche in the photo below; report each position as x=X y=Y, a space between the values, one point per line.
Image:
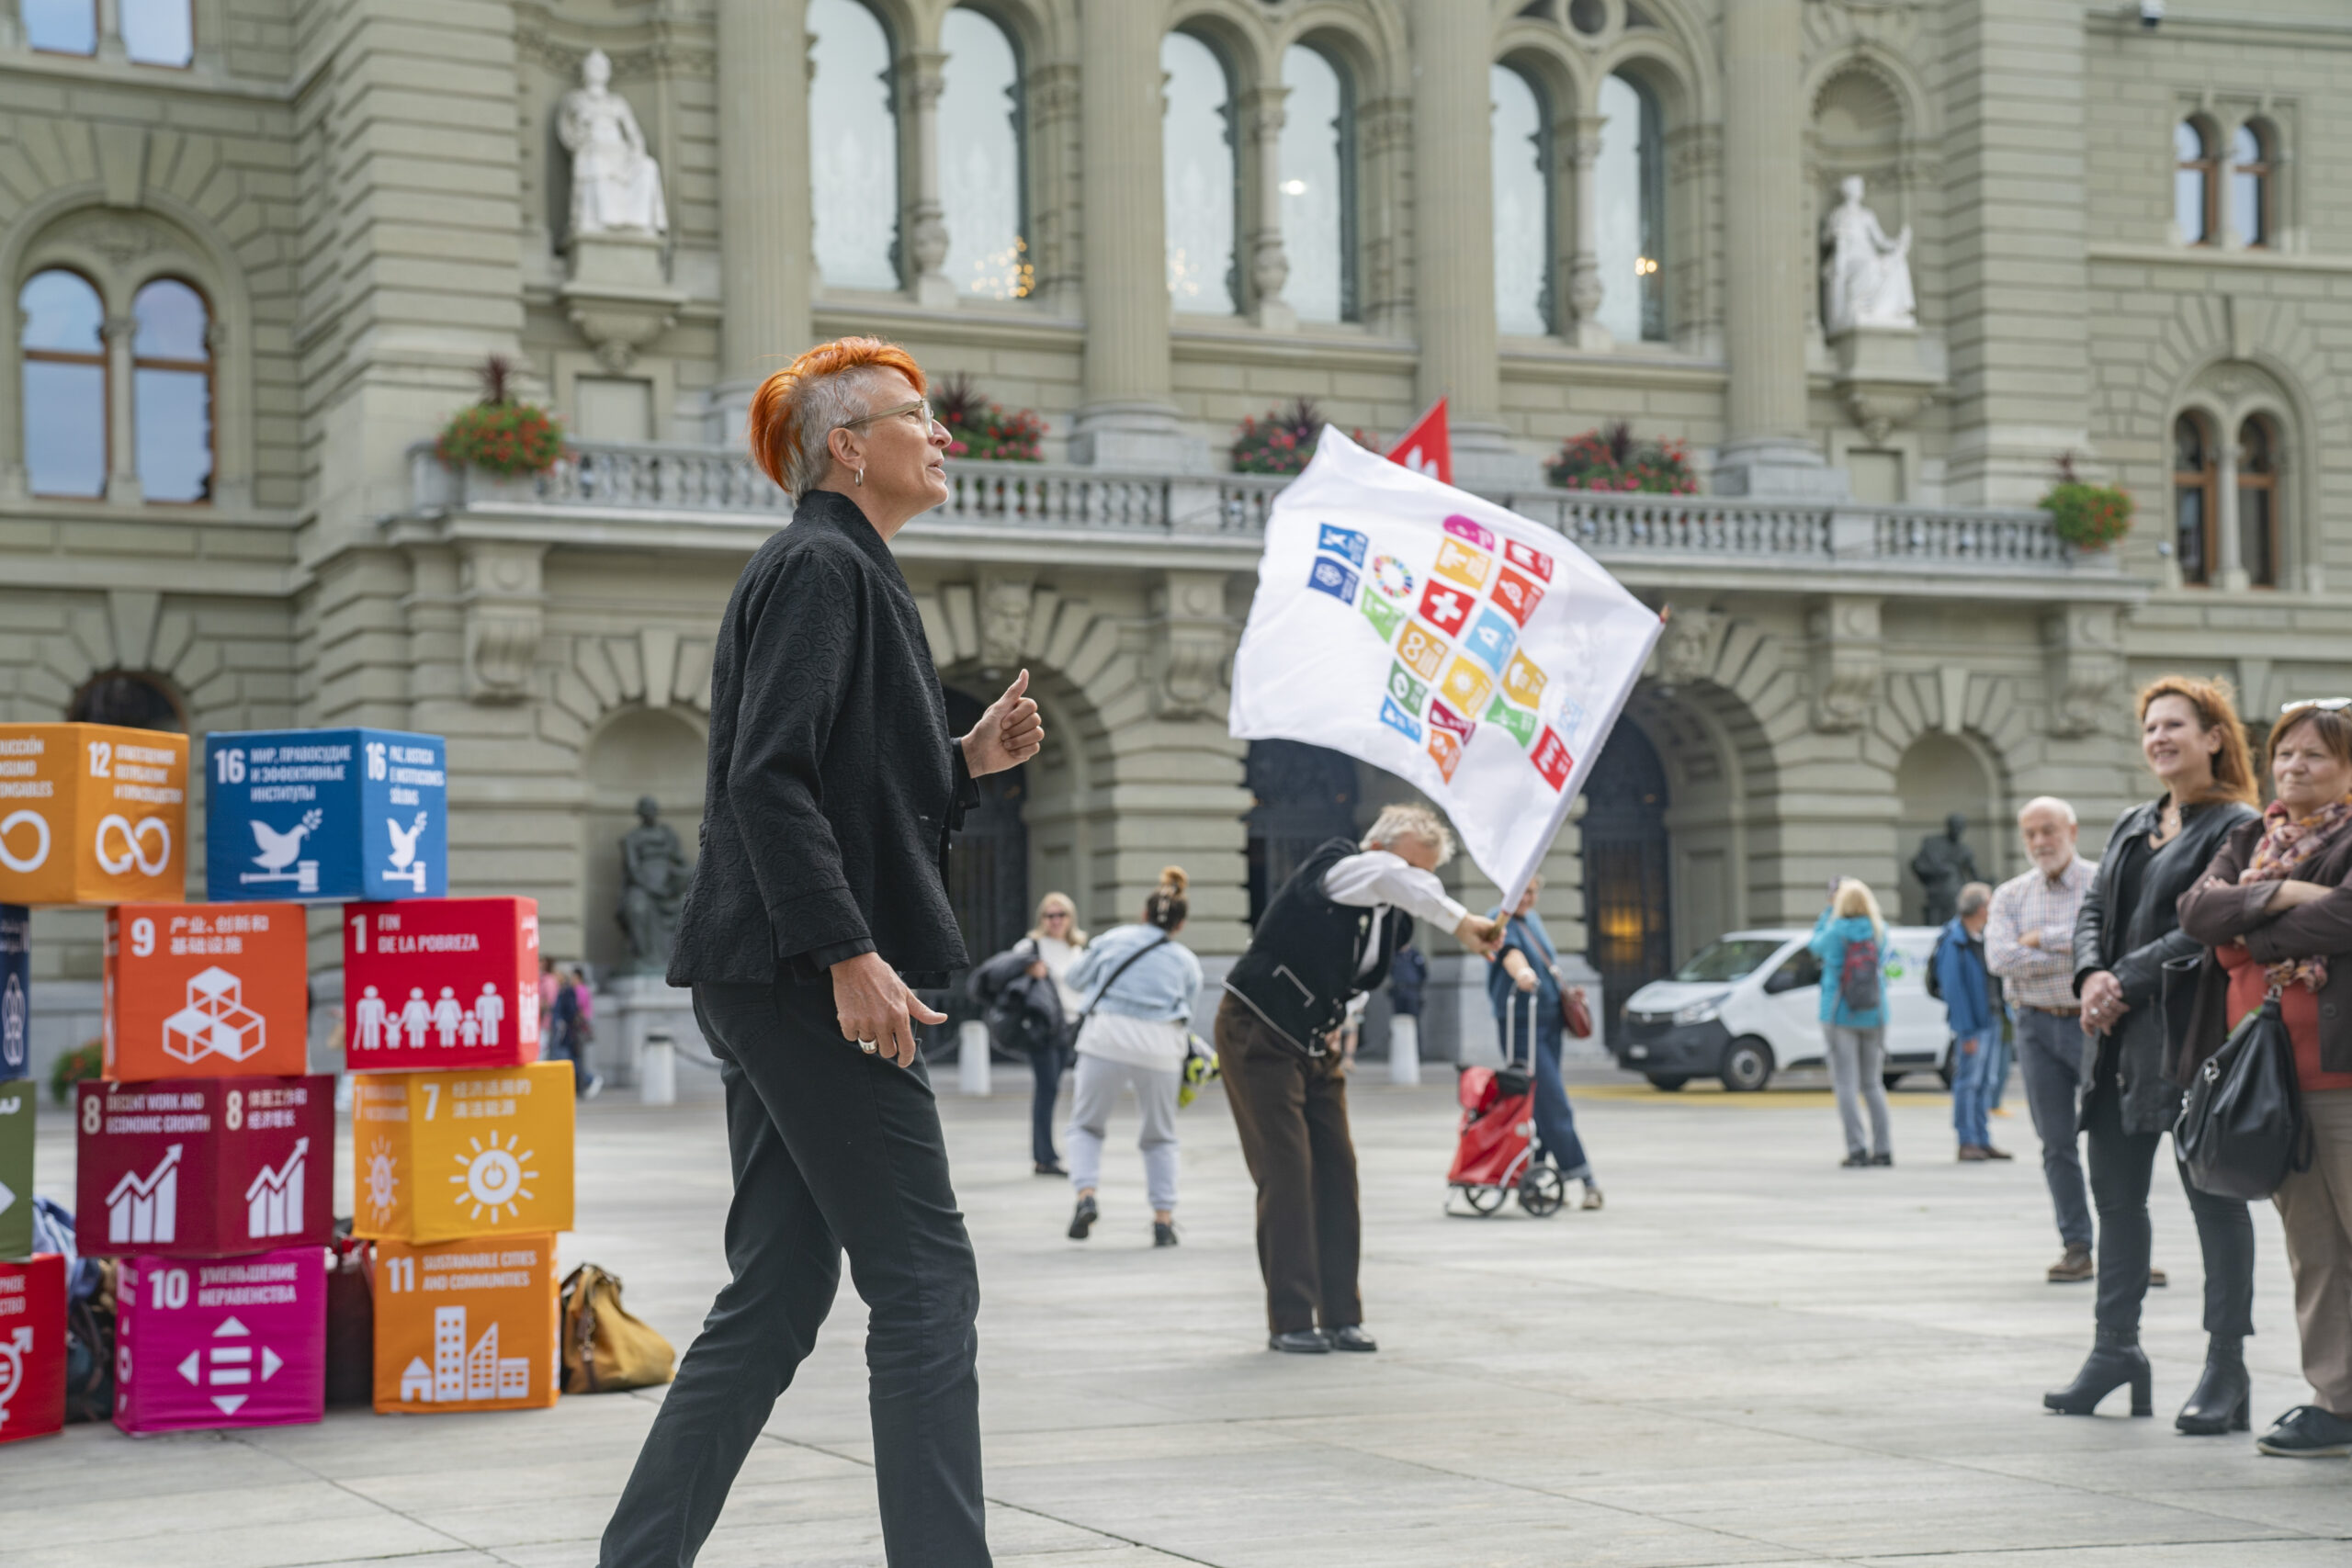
x=615 y=184
x=1866 y=278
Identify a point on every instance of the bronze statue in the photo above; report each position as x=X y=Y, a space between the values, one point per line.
x=654 y=874
x=1944 y=866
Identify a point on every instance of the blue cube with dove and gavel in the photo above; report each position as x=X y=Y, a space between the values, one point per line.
x=325 y=815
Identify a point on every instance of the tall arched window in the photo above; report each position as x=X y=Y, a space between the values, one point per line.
x=2250 y=184
x=2193 y=200
x=2196 y=483
x=1197 y=143
x=1318 y=192
x=2258 y=502
x=158 y=32
x=981 y=186
x=852 y=147
x=1630 y=203
x=171 y=392
x=61 y=27
x=64 y=384
x=1521 y=157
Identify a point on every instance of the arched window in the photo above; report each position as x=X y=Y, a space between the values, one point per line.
x=1630 y=203
x=64 y=384
x=1318 y=190
x=982 y=184
x=2193 y=195
x=127 y=698
x=1197 y=143
x=61 y=27
x=2258 y=502
x=2250 y=186
x=158 y=32
x=2196 y=480
x=852 y=147
x=1522 y=174
x=171 y=392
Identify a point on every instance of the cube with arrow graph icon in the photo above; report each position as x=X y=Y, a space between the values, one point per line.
x=221 y=1341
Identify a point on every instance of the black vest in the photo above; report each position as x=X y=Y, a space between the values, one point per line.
x=1301 y=967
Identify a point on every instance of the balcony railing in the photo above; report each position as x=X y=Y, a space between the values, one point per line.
x=654 y=481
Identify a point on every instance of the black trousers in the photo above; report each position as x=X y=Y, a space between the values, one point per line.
x=833 y=1151
x=1292 y=1112
x=2122 y=1165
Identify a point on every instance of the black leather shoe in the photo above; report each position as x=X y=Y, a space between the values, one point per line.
x=1352 y=1337
x=1882 y=1159
x=2222 y=1402
x=2307 y=1432
x=1048 y=1167
x=1083 y=1219
x=1299 y=1342
x=1163 y=1232
x=2112 y=1364
x=1855 y=1161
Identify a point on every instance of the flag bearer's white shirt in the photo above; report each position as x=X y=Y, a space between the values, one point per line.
x=1377 y=879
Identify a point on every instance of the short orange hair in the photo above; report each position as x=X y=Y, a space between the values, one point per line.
x=797 y=409
x=2217 y=708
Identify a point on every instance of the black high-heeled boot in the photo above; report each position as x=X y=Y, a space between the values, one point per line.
x=2224 y=1393
x=2115 y=1360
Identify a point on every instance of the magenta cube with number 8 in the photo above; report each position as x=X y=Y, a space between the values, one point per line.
x=220 y=1341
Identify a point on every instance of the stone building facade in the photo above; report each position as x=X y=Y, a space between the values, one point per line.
x=310 y=223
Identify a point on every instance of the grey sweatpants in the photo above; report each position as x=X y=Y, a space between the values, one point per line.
x=1097 y=1090
x=1856 y=1058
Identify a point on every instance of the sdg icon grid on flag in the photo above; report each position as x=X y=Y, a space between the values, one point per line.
x=1478 y=656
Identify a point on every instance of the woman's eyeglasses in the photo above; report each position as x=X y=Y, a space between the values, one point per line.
x=2331 y=705
x=921 y=407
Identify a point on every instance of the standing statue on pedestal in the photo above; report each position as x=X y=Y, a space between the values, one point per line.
x=654 y=874
x=1866 y=280
x=1944 y=866
x=615 y=184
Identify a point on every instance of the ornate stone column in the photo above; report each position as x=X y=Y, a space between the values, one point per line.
x=122 y=448
x=2228 y=565
x=1767 y=452
x=765 y=268
x=1584 y=263
x=926 y=220
x=1127 y=419
x=1268 y=267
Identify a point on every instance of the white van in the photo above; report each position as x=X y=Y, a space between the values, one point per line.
x=1748 y=1004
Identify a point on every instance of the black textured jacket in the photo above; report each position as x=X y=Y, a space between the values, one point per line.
x=2136 y=943
x=833 y=783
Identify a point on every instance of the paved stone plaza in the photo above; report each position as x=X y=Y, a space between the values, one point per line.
x=1749 y=1356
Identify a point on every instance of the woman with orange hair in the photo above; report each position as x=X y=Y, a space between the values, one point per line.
x=2127 y=929
x=820 y=900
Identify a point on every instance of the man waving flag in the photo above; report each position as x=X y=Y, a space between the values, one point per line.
x=1477 y=655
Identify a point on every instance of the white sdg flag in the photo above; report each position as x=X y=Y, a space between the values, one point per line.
x=1478 y=656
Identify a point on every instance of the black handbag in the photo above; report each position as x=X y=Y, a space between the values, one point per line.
x=2242 y=1131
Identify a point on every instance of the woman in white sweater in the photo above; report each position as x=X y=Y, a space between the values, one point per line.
x=1056 y=942
x=1140 y=983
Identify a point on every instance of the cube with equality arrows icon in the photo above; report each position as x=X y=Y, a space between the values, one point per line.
x=220 y=1342
x=440 y=1155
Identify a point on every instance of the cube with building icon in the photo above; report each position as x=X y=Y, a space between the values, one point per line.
x=466 y=1325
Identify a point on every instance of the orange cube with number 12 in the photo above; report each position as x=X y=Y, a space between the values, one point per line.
x=91 y=814
x=218 y=990
x=466 y=1325
x=437 y=1155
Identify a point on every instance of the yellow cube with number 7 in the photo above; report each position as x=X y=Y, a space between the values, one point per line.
x=438 y=1156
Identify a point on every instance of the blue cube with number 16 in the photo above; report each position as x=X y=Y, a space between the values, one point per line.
x=330 y=814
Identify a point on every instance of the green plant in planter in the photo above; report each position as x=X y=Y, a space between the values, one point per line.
x=2087 y=517
x=84 y=1061
x=1282 y=442
x=498 y=435
x=980 y=428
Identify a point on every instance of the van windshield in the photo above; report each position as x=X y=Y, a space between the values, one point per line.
x=1733 y=958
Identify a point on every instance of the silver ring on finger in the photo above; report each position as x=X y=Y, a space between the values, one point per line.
x=868 y=1047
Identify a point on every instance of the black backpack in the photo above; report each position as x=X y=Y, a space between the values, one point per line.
x=1935 y=966
x=1858 y=982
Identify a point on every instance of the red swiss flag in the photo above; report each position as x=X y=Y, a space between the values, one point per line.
x=1428 y=447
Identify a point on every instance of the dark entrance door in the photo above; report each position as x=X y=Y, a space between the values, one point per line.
x=1625 y=870
x=1304 y=794
x=988 y=872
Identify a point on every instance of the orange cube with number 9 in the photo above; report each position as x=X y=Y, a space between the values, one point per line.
x=91 y=814
x=217 y=990
x=466 y=1325
x=442 y=1154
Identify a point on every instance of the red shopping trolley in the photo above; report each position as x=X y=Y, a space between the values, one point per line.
x=1494 y=1156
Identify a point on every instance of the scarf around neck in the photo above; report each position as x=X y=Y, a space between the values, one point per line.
x=2286 y=843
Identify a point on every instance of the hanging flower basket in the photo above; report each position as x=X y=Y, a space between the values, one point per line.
x=981 y=429
x=1611 y=459
x=1282 y=442
x=499 y=435
x=2087 y=517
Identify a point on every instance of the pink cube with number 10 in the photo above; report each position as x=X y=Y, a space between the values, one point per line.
x=220 y=1341
x=440 y=982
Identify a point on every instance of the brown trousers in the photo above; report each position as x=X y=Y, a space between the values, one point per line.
x=1292 y=1112
x=2316 y=1206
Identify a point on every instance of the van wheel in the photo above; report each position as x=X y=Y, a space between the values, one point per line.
x=1890 y=1080
x=1747 y=1065
x=1668 y=1081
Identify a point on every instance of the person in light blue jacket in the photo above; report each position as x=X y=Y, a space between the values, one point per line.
x=1850 y=940
x=1138 y=982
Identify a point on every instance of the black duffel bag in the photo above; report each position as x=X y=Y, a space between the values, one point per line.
x=2242 y=1131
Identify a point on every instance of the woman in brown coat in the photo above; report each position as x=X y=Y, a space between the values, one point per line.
x=2275 y=911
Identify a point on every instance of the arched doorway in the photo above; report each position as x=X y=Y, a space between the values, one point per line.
x=1623 y=834
x=1302 y=796
x=641 y=752
x=1941 y=776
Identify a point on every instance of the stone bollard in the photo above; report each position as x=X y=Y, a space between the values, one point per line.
x=657 y=1069
x=1405 y=1050
x=972 y=1057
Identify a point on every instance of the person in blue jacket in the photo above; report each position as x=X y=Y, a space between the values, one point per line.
x=1850 y=940
x=1528 y=965
x=1975 y=1031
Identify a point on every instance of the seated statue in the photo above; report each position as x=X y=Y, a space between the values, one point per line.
x=615 y=184
x=654 y=874
x=1866 y=280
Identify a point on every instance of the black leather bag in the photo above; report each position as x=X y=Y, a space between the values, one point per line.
x=2241 y=1131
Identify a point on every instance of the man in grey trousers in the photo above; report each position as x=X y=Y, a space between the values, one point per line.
x=2029 y=944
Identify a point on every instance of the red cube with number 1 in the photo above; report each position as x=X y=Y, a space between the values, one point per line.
x=440 y=982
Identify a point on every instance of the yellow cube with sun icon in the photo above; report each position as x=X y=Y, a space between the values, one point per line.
x=438 y=1156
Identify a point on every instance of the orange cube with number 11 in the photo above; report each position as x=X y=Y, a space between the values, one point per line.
x=91 y=814
x=437 y=1155
x=206 y=990
x=466 y=1325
